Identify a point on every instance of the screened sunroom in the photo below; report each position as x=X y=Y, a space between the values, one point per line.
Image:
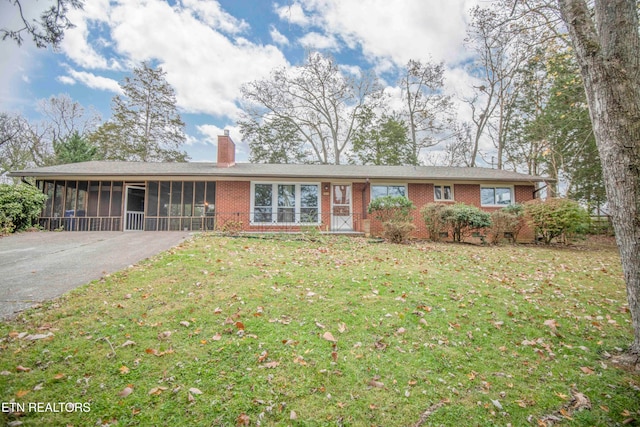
x=77 y=205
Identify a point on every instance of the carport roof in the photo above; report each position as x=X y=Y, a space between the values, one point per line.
x=97 y=169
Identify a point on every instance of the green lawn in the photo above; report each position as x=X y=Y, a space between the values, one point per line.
x=336 y=331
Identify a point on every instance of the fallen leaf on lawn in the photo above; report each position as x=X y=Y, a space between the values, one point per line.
x=217 y=337
x=190 y=398
x=59 y=376
x=376 y=384
x=126 y=392
x=164 y=335
x=185 y=323
x=580 y=401
x=342 y=328
x=334 y=356
x=243 y=420
x=157 y=390
x=217 y=310
x=195 y=390
x=124 y=370
x=401 y=331
x=270 y=365
x=38 y=336
x=329 y=336
x=22 y=393
x=21 y=368
x=128 y=343
x=263 y=356
x=319 y=325
x=293 y=415
x=586 y=370
x=5 y=373
x=240 y=326
x=158 y=353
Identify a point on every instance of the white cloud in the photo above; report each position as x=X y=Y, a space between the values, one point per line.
x=292 y=13
x=91 y=80
x=66 y=80
x=410 y=29
x=205 y=66
x=211 y=14
x=315 y=40
x=76 y=41
x=277 y=37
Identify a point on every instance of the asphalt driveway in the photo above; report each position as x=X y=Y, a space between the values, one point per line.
x=35 y=267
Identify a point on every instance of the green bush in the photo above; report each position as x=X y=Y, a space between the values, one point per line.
x=432 y=215
x=509 y=220
x=553 y=218
x=395 y=213
x=464 y=219
x=20 y=206
x=392 y=209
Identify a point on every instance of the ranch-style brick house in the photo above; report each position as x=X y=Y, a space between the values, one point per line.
x=137 y=196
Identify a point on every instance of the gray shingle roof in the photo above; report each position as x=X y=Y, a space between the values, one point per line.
x=274 y=171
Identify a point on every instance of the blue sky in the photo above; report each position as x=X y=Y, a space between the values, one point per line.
x=210 y=48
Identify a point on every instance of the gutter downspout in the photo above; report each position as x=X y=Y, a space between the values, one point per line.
x=364 y=203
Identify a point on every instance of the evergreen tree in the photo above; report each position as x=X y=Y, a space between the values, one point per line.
x=145 y=120
x=383 y=142
x=74 y=150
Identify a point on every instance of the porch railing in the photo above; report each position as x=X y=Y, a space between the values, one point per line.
x=100 y=223
x=222 y=221
x=135 y=221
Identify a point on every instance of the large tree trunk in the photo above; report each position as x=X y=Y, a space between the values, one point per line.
x=608 y=51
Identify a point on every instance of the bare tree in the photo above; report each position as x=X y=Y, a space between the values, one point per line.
x=23 y=144
x=427 y=110
x=66 y=117
x=607 y=45
x=501 y=51
x=48 y=30
x=318 y=99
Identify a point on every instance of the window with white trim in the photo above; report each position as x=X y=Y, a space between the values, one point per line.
x=496 y=196
x=443 y=192
x=388 y=190
x=285 y=203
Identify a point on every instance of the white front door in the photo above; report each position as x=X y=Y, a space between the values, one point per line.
x=134 y=208
x=341 y=218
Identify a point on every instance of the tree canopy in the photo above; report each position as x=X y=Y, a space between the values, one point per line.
x=145 y=125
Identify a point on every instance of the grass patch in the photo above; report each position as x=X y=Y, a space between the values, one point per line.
x=236 y=331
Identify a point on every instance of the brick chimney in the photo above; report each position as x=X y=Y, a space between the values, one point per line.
x=226 y=151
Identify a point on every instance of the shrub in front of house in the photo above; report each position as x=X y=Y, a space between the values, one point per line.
x=20 y=206
x=506 y=223
x=554 y=218
x=432 y=216
x=463 y=220
x=395 y=214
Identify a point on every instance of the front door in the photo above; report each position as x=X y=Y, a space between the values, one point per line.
x=134 y=209
x=341 y=218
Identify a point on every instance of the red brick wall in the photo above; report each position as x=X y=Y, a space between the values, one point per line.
x=233 y=200
x=467 y=193
x=226 y=152
x=524 y=193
